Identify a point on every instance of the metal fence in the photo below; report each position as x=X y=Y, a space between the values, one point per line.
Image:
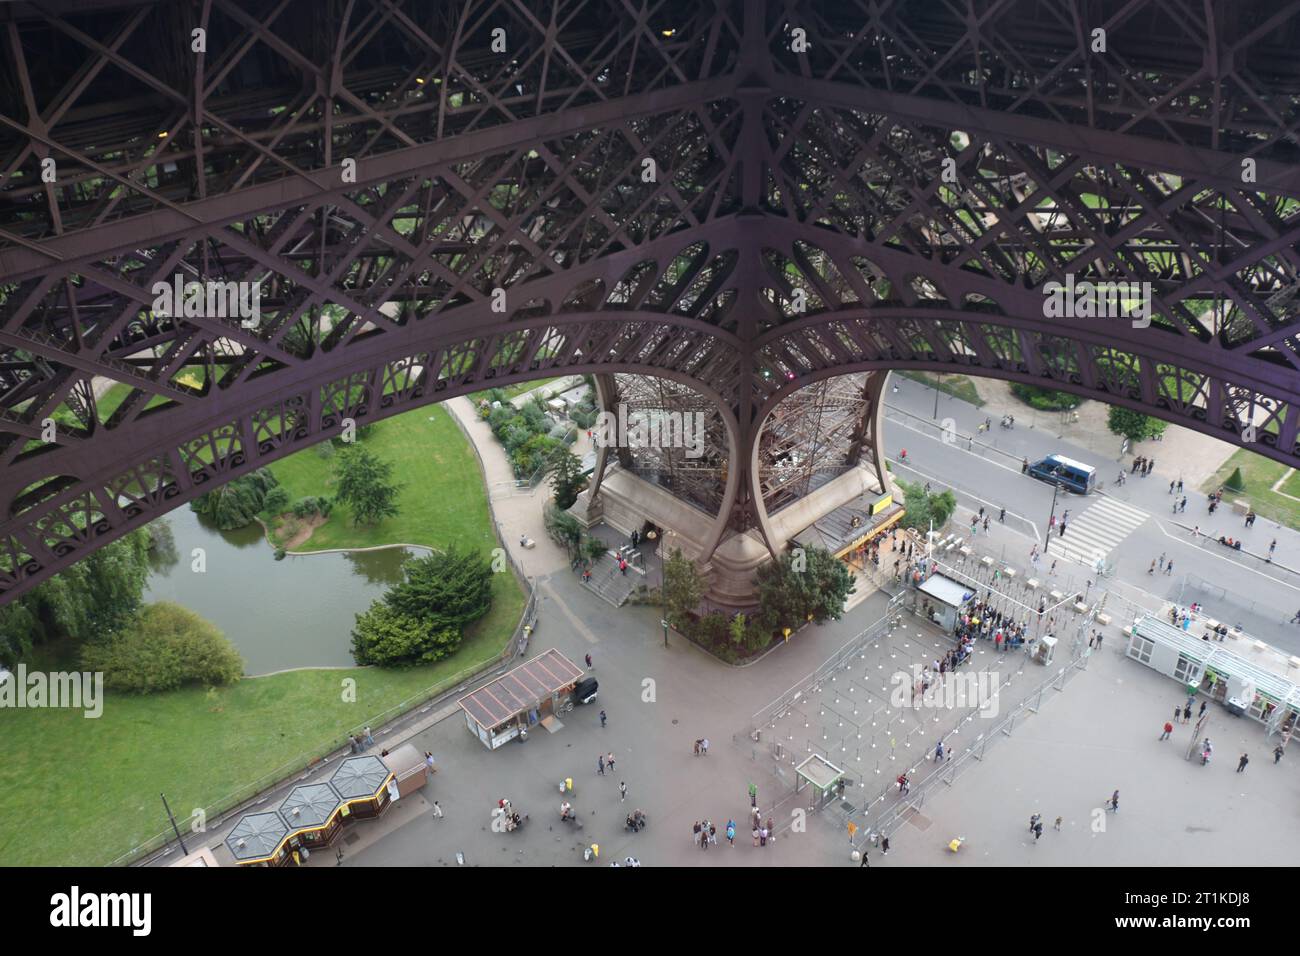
x=878 y=629
x=891 y=817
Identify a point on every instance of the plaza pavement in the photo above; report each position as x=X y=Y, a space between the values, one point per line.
x=1102 y=726
x=1098 y=735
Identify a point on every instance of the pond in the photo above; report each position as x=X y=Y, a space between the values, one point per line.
x=297 y=612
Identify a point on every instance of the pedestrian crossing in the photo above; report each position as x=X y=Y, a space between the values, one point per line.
x=1092 y=535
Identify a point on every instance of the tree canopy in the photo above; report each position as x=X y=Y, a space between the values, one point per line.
x=164 y=647
x=364 y=483
x=95 y=596
x=422 y=619
x=237 y=502
x=1134 y=425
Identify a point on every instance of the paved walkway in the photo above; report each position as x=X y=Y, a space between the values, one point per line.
x=1099 y=735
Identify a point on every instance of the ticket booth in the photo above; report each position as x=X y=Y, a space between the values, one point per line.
x=534 y=692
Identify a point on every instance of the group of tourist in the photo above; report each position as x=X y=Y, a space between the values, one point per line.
x=989 y=624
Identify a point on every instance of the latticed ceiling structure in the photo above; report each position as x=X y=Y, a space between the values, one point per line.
x=839 y=186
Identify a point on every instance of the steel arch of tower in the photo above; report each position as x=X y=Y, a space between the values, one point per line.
x=913 y=179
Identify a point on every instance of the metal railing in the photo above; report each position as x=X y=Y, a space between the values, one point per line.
x=954 y=766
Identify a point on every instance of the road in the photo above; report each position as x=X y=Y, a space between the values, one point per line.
x=1130 y=525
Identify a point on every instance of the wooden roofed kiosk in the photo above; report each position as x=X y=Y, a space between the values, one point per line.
x=312 y=816
x=499 y=711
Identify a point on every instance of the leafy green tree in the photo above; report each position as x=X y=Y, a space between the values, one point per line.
x=364 y=483
x=236 y=503
x=812 y=585
x=422 y=619
x=924 y=506
x=95 y=596
x=276 y=501
x=562 y=528
x=164 y=647
x=1134 y=425
x=387 y=637
x=683 y=588
x=449 y=589
x=565 y=470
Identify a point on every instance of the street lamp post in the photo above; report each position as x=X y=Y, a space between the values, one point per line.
x=938 y=380
x=1056 y=490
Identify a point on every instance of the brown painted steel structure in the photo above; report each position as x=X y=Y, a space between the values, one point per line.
x=777 y=171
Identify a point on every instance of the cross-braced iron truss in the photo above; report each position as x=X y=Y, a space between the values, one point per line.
x=746 y=197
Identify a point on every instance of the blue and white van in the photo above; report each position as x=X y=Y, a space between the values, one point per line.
x=1066 y=472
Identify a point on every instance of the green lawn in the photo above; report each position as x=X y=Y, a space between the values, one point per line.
x=958 y=386
x=1260 y=474
x=83 y=792
x=443 y=501
x=75 y=791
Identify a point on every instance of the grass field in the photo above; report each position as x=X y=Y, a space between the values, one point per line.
x=442 y=501
x=1260 y=474
x=77 y=791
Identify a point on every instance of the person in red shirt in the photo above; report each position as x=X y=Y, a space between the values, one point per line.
x=1169 y=729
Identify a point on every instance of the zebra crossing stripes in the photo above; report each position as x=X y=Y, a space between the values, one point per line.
x=1096 y=532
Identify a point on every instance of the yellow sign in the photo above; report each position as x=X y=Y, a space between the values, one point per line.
x=882 y=504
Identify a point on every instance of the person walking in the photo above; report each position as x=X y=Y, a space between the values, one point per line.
x=354 y=744
x=1182 y=505
x=610 y=760
x=1271 y=548
x=602 y=719
x=1169 y=729
x=1241 y=763
x=1171 y=487
x=600 y=764
x=430 y=762
x=1002 y=515
x=864 y=859
x=1169 y=568
x=1038 y=832
x=986 y=524
x=1114 y=802
x=938 y=752
x=1061 y=532
x=437 y=810
x=1178 y=710
x=1033 y=821
x=731 y=833
x=1024 y=467
x=1152 y=569
x=753 y=795
x=588 y=662
x=1162 y=560
x=1201 y=712
x=370 y=738
x=622 y=791
x=1057 y=825
x=1187 y=714
x=1278 y=751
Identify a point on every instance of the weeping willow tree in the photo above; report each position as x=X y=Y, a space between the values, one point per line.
x=236 y=503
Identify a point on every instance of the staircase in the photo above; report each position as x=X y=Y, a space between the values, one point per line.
x=608 y=584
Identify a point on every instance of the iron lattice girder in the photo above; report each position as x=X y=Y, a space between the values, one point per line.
x=778 y=172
